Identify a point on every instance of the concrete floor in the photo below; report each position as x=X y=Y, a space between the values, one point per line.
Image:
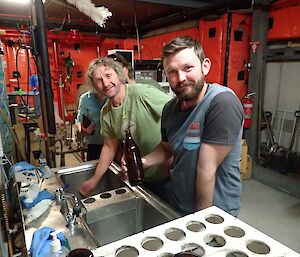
x=272 y=212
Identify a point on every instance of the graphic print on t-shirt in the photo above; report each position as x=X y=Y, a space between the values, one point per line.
x=128 y=123
x=192 y=138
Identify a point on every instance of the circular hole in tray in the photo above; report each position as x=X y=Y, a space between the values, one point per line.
x=89 y=200
x=236 y=254
x=258 y=247
x=166 y=255
x=186 y=254
x=152 y=243
x=105 y=195
x=214 y=219
x=214 y=240
x=234 y=232
x=193 y=248
x=127 y=251
x=175 y=234
x=120 y=191
x=195 y=226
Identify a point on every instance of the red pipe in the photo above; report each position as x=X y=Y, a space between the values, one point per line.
x=98 y=51
x=56 y=47
x=68 y=36
x=58 y=78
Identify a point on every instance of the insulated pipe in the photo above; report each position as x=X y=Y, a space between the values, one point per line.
x=58 y=78
x=44 y=79
x=44 y=58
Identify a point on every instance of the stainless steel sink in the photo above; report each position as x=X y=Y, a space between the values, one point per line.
x=119 y=213
x=72 y=178
x=115 y=209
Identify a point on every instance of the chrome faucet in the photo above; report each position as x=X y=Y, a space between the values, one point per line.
x=62 y=199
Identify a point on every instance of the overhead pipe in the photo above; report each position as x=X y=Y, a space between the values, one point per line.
x=22 y=17
x=82 y=38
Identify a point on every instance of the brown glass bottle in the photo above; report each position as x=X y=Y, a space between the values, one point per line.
x=133 y=160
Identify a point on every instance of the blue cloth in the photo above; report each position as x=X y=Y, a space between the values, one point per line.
x=21 y=166
x=41 y=196
x=41 y=240
x=29 y=170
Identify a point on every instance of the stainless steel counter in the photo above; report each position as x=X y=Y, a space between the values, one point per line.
x=53 y=217
x=105 y=214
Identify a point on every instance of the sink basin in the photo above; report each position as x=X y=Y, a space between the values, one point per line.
x=119 y=213
x=115 y=209
x=73 y=177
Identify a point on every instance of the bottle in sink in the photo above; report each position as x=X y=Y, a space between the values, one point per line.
x=133 y=160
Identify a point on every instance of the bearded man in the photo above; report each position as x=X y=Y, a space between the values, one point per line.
x=202 y=129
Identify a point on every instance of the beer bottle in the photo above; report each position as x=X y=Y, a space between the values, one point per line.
x=133 y=160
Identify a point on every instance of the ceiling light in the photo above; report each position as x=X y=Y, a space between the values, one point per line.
x=18 y=1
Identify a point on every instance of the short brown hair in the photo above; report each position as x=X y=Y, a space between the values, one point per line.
x=180 y=43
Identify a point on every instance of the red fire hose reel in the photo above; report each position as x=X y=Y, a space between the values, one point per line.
x=247 y=103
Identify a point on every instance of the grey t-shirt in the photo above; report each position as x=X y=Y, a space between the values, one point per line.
x=217 y=119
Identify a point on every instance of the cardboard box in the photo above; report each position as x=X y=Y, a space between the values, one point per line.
x=244 y=152
x=247 y=174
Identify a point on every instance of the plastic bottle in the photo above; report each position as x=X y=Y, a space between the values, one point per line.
x=133 y=160
x=57 y=250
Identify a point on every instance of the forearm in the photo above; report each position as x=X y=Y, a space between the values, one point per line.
x=107 y=155
x=159 y=155
x=209 y=159
x=207 y=164
x=205 y=187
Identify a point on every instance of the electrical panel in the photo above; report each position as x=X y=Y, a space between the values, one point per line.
x=149 y=69
x=127 y=54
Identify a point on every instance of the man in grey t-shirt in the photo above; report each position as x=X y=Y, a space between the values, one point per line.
x=202 y=129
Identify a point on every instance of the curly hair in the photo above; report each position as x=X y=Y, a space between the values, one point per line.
x=108 y=63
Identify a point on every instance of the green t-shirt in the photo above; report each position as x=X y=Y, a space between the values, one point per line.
x=141 y=111
x=150 y=82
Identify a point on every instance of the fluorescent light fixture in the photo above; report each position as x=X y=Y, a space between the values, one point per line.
x=18 y=1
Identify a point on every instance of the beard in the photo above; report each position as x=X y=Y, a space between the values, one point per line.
x=189 y=90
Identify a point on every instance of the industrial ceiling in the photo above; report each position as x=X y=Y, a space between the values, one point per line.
x=129 y=17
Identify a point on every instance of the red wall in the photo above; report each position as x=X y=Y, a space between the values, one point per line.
x=151 y=47
x=239 y=54
x=81 y=57
x=212 y=35
x=286 y=20
x=90 y=47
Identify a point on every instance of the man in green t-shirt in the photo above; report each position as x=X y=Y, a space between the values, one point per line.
x=135 y=106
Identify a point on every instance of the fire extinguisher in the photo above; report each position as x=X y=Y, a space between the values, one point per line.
x=247 y=103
